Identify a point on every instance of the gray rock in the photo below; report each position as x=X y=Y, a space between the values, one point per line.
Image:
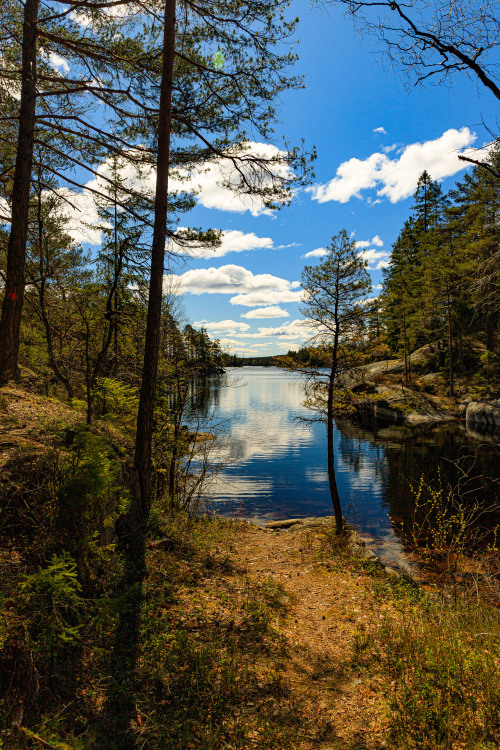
x=432 y=378
x=483 y=433
x=462 y=409
x=322 y=521
x=285 y=524
x=483 y=412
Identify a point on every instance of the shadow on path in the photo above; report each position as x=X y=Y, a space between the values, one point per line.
x=115 y=726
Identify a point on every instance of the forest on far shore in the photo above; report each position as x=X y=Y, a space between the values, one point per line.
x=440 y=288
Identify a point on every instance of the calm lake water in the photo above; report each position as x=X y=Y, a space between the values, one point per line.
x=277 y=462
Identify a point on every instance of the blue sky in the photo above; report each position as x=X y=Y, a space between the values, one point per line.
x=351 y=108
x=373 y=136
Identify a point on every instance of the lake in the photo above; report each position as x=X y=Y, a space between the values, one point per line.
x=276 y=458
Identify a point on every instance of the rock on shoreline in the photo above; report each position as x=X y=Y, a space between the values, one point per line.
x=483 y=413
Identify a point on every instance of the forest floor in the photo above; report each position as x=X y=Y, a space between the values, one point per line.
x=235 y=637
x=322 y=612
x=301 y=643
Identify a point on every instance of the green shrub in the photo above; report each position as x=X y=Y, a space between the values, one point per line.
x=90 y=497
x=487 y=379
x=115 y=400
x=51 y=603
x=449 y=531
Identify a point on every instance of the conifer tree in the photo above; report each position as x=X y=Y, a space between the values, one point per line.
x=335 y=291
x=477 y=201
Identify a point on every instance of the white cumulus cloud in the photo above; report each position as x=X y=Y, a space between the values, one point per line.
x=318 y=253
x=224 y=326
x=215 y=185
x=294 y=330
x=380 y=130
x=80 y=212
x=299 y=329
x=240 y=347
x=366 y=243
x=4 y=210
x=58 y=62
x=232 y=241
x=216 y=182
x=275 y=296
x=55 y=61
x=397 y=178
x=267 y=312
x=377 y=259
x=249 y=289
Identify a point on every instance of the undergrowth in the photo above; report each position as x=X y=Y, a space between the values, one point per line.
x=439 y=655
x=444 y=659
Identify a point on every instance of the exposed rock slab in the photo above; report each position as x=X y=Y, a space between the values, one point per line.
x=404 y=406
x=285 y=524
x=483 y=413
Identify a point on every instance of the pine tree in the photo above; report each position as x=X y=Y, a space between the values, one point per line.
x=477 y=199
x=335 y=291
x=401 y=290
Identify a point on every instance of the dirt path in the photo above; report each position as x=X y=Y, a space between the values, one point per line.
x=331 y=612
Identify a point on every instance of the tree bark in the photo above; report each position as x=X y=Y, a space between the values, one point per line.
x=42 y=265
x=407 y=367
x=334 y=493
x=12 y=306
x=143 y=443
x=450 y=346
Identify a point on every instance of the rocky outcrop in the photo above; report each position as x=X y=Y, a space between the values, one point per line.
x=401 y=405
x=484 y=413
x=419 y=360
x=389 y=399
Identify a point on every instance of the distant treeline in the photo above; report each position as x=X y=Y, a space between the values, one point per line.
x=232 y=360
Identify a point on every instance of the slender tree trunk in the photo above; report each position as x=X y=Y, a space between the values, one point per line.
x=334 y=493
x=43 y=264
x=450 y=346
x=116 y=273
x=407 y=368
x=10 y=321
x=179 y=405
x=172 y=473
x=143 y=443
x=88 y=373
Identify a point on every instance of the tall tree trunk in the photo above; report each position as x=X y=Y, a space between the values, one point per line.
x=143 y=442
x=450 y=345
x=10 y=321
x=334 y=493
x=88 y=373
x=407 y=367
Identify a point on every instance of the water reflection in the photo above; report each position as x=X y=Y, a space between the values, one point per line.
x=277 y=463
